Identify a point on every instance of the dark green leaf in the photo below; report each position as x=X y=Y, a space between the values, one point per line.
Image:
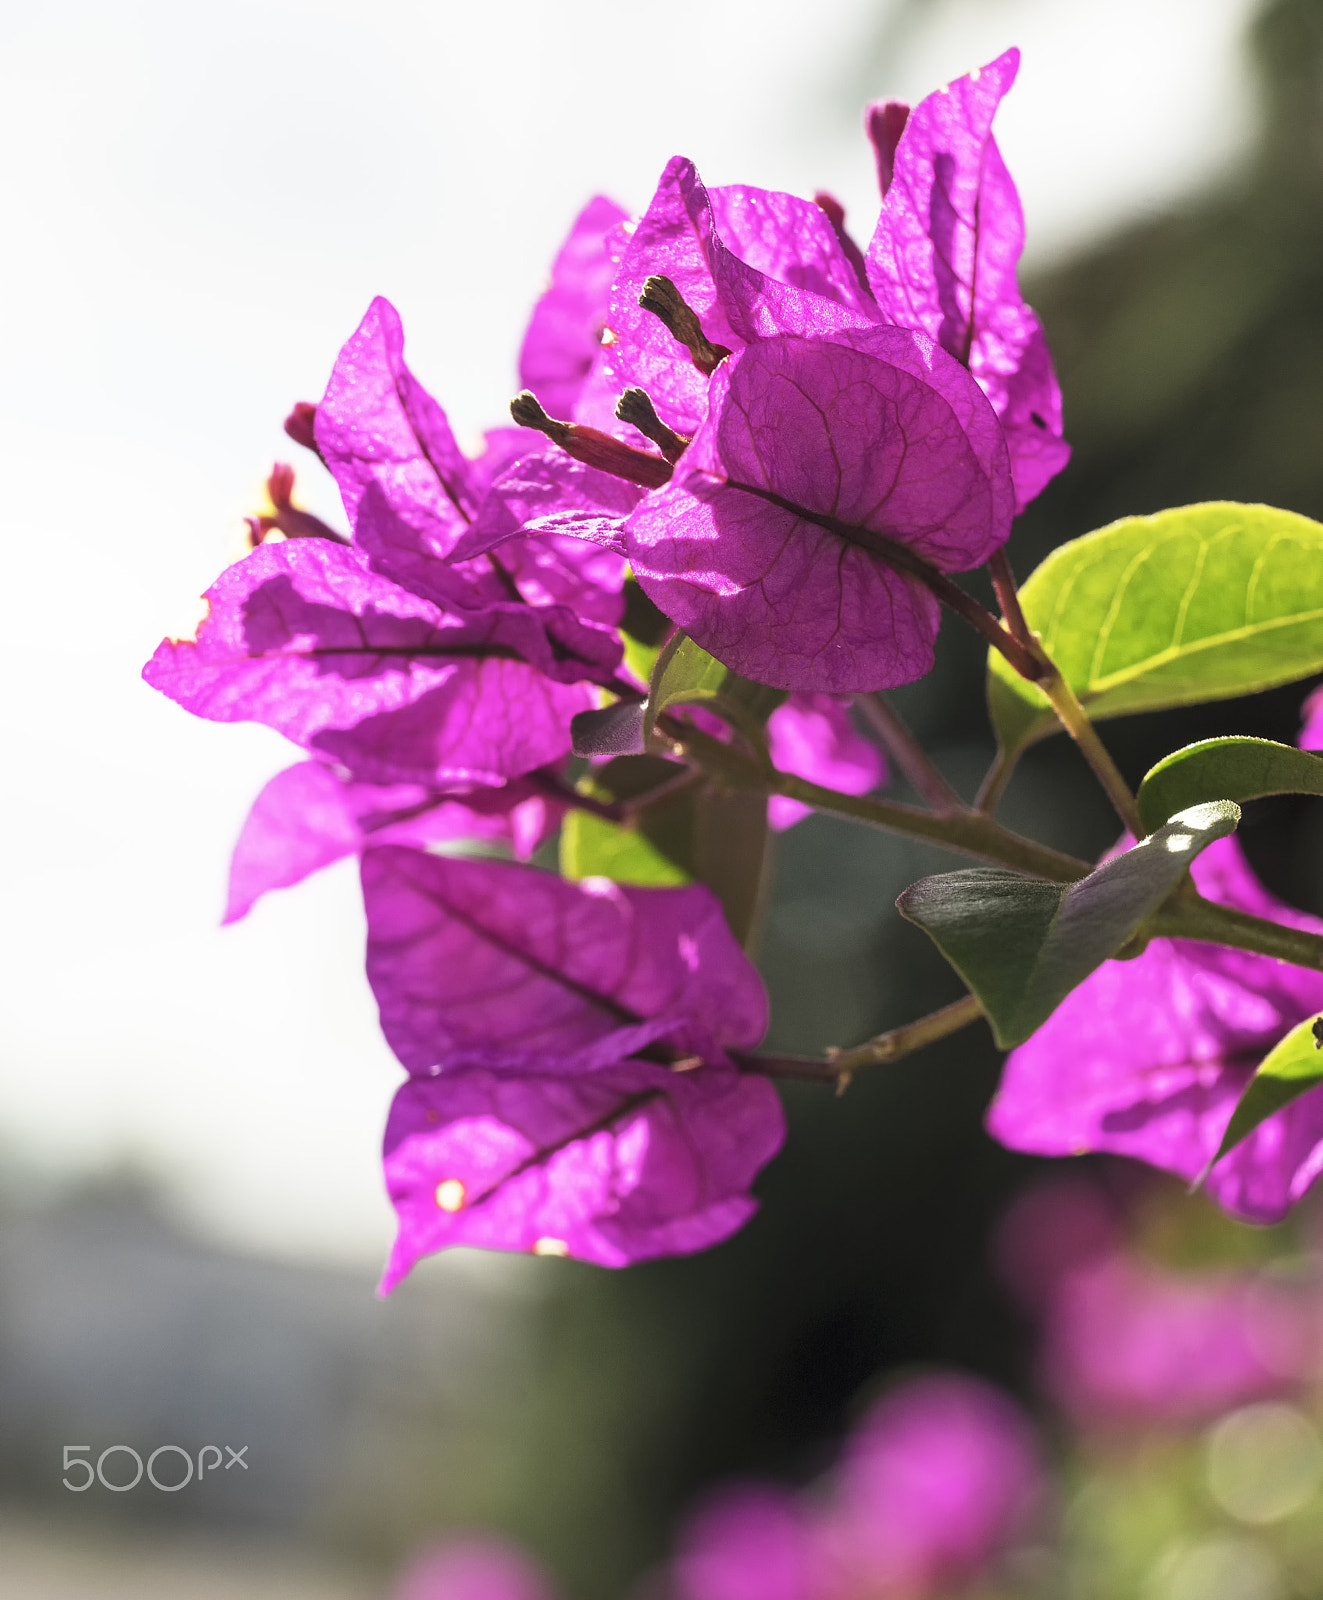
x=1022 y=945
x=1287 y=1072
x=1201 y=603
x=1234 y=769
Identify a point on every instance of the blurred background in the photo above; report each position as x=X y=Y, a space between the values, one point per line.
x=200 y=204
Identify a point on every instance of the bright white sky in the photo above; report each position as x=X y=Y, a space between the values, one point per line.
x=199 y=202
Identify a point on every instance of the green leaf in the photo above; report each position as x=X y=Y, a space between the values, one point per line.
x=591 y=847
x=1285 y=1073
x=700 y=833
x=1234 y=769
x=1202 y=603
x=640 y=658
x=684 y=674
x=1022 y=944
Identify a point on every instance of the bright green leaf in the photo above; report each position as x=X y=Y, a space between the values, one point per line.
x=1234 y=769
x=684 y=674
x=591 y=847
x=1287 y=1072
x=640 y=658
x=695 y=833
x=1202 y=603
x=1022 y=944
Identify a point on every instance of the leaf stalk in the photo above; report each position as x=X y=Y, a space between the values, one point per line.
x=1075 y=721
x=908 y=754
x=967 y=832
x=841 y=1065
x=1190 y=916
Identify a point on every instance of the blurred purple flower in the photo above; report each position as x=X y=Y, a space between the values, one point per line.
x=525 y=1006
x=472 y=1569
x=312 y=814
x=565 y=330
x=936 y=1482
x=1127 y=1342
x=943 y=259
x=812 y=736
x=748 y=1541
x=1148 y=1057
x=1050 y=1231
x=1311 y=735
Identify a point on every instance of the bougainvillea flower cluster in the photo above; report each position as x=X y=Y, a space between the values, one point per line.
x=909 y=394
x=941 y=1475
x=788 y=437
x=748 y=454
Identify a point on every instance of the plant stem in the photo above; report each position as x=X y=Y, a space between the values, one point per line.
x=841 y=1065
x=663 y=792
x=1008 y=596
x=897 y=1042
x=967 y=832
x=1193 y=917
x=555 y=788
x=908 y=754
x=1026 y=661
x=1076 y=723
x=795 y=1069
x=1064 y=702
x=994 y=783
